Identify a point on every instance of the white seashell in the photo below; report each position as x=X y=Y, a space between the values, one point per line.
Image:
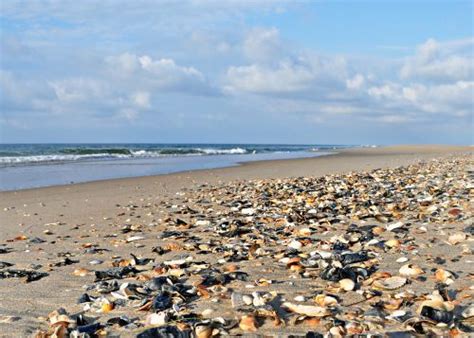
x=397 y=313
x=390 y=283
x=159 y=318
x=307 y=310
x=456 y=238
x=299 y=299
x=134 y=238
x=207 y=312
x=402 y=260
x=295 y=245
x=393 y=226
x=247 y=211
x=257 y=299
x=410 y=270
x=248 y=300
x=96 y=262
x=202 y=222
x=347 y=284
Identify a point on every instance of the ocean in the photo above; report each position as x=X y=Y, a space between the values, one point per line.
x=25 y=166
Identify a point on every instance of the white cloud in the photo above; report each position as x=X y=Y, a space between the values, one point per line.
x=356 y=82
x=440 y=61
x=141 y=99
x=78 y=89
x=158 y=74
x=262 y=44
x=285 y=78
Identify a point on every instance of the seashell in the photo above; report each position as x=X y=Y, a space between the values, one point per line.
x=347 y=284
x=307 y=310
x=393 y=226
x=398 y=313
x=207 y=312
x=436 y=309
x=393 y=243
x=304 y=232
x=378 y=230
x=437 y=315
x=410 y=270
x=176 y=272
x=106 y=307
x=248 y=323
x=444 y=276
x=202 y=223
x=258 y=300
x=393 y=304
x=402 y=260
x=96 y=262
x=203 y=331
x=134 y=239
x=247 y=299
x=81 y=272
x=295 y=245
x=247 y=211
x=178 y=262
x=391 y=283
x=337 y=331
x=299 y=298
x=323 y=300
x=160 y=318
x=457 y=238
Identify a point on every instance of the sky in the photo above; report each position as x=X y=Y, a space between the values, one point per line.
x=312 y=72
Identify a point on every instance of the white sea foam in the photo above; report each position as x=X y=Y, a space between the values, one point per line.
x=12 y=160
x=211 y=151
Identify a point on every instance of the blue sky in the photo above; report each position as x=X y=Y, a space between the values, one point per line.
x=368 y=72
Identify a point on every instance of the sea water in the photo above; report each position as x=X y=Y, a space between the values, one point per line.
x=37 y=165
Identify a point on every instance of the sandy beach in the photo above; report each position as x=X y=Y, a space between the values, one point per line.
x=62 y=229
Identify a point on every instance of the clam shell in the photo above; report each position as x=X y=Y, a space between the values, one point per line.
x=347 y=284
x=410 y=270
x=307 y=310
x=391 y=283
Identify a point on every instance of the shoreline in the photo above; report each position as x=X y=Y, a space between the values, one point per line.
x=70 y=218
x=408 y=150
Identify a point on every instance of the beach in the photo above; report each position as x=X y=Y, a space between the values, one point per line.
x=60 y=230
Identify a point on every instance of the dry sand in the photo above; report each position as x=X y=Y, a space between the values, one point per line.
x=74 y=210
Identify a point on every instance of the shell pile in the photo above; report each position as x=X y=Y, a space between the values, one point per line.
x=388 y=250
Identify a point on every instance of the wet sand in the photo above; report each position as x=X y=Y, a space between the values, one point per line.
x=68 y=217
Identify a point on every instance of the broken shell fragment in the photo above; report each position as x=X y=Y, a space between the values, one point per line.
x=248 y=323
x=457 y=238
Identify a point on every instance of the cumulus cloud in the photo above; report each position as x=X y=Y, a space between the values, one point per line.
x=434 y=60
x=286 y=77
x=159 y=74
